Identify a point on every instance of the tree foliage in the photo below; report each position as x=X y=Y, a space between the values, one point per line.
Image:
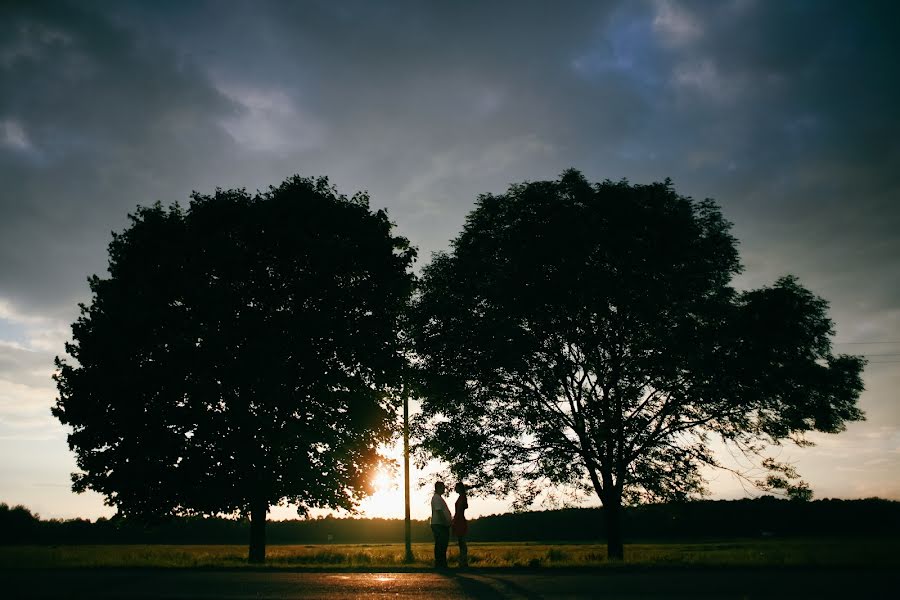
x=588 y=335
x=240 y=354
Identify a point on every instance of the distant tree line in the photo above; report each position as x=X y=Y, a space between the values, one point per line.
x=707 y=519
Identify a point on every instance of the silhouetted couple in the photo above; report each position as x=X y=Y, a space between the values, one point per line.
x=442 y=522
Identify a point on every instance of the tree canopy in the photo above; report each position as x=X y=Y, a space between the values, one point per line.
x=589 y=335
x=241 y=353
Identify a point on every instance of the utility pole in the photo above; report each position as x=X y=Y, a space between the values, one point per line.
x=409 y=554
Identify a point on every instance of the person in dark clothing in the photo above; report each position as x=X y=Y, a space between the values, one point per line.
x=460 y=525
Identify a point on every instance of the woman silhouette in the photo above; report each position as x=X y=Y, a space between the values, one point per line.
x=460 y=525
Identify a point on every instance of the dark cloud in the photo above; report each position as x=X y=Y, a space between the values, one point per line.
x=802 y=116
x=94 y=124
x=423 y=104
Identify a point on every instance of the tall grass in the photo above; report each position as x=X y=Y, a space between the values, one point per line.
x=785 y=552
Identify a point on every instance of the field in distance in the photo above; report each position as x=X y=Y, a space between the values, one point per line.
x=818 y=552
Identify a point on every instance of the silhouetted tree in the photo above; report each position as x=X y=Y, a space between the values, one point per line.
x=588 y=335
x=17 y=524
x=241 y=353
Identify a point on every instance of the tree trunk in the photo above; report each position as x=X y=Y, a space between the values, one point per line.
x=258 y=510
x=612 y=511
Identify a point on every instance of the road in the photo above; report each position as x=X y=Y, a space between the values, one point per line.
x=176 y=584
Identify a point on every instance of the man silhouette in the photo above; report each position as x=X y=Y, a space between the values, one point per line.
x=440 y=525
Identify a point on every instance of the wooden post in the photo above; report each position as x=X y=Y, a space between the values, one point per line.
x=408 y=527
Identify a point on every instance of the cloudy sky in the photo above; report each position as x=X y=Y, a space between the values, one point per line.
x=785 y=112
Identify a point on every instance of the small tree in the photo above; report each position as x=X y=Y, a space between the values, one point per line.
x=588 y=335
x=240 y=354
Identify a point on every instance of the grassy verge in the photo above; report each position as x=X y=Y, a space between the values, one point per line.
x=762 y=553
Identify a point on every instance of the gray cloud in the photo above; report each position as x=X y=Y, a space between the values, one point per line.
x=102 y=124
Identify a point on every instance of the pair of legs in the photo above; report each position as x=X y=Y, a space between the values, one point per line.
x=441 y=541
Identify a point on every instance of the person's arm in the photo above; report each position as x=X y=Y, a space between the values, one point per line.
x=447 y=512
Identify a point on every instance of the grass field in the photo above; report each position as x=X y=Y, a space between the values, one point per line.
x=762 y=553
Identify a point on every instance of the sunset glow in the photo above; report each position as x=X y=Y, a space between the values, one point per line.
x=387 y=500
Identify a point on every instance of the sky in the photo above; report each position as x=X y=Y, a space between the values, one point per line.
x=785 y=112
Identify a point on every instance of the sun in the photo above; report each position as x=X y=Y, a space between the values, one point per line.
x=386 y=501
x=382 y=481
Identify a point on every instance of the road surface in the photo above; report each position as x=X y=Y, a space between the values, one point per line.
x=176 y=584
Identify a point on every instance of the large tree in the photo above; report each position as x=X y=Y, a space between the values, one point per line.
x=588 y=335
x=240 y=354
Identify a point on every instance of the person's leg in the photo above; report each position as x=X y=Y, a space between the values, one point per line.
x=435 y=529
x=441 y=557
x=463 y=552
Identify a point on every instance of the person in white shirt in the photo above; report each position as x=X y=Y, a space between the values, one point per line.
x=440 y=525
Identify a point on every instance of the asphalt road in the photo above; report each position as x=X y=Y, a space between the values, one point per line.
x=739 y=584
